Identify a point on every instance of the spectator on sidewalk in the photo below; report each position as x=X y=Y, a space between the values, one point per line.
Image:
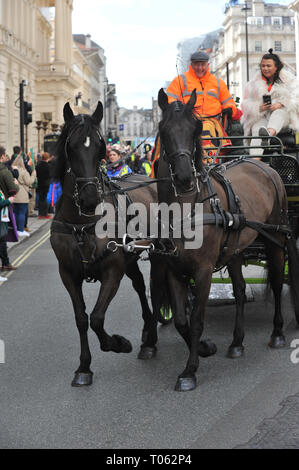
x=3 y=249
x=43 y=171
x=20 y=207
x=32 y=200
x=9 y=189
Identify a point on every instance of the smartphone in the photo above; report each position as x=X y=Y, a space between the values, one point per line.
x=267 y=99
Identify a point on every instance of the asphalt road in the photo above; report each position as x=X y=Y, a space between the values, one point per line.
x=131 y=404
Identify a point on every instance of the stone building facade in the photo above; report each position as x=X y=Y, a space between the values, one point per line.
x=295 y=7
x=269 y=25
x=137 y=123
x=37 y=46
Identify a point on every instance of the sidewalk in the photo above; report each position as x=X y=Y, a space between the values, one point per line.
x=34 y=225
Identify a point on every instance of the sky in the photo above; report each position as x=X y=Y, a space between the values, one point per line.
x=140 y=39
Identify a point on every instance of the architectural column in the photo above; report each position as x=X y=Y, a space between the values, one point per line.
x=33 y=20
x=59 y=31
x=8 y=14
x=70 y=35
x=295 y=7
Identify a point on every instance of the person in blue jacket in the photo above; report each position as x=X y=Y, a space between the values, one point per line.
x=120 y=168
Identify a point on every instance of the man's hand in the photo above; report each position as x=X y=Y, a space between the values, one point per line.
x=228 y=112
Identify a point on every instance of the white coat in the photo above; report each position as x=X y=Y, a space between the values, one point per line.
x=286 y=92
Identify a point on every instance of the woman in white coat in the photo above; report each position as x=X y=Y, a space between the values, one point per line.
x=271 y=101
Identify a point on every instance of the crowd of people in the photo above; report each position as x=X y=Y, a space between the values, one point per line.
x=121 y=160
x=271 y=102
x=24 y=185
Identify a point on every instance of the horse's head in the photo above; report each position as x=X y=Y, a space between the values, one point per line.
x=80 y=150
x=179 y=132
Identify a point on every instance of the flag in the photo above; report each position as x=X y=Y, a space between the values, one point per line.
x=31 y=157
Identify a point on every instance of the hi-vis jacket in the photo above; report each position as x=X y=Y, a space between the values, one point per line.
x=118 y=171
x=212 y=93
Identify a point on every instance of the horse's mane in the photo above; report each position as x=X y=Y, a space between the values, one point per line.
x=79 y=127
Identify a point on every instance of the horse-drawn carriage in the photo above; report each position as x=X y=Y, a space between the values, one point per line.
x=240 y=199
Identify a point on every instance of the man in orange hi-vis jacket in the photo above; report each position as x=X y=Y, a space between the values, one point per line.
x=213 y=98
x=213 y=95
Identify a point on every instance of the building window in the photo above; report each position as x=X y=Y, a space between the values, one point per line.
x=277 y=46
x=259 y=21
x=258 y=46
x=286 y=20
x=267 y=19
x=276 y=21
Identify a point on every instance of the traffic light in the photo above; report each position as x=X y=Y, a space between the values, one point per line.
x=27 y=113
x=109 y=136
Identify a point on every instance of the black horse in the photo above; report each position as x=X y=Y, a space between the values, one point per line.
x=252 y=192
x=80 y=253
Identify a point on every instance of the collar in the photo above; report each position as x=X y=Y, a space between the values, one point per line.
x=269 y=84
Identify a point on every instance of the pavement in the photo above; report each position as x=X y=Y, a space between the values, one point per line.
x=279 y=430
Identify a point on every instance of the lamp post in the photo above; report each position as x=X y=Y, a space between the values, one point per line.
x=106 y=93
x=54 y=127
x=38 y=127
x=246 y=8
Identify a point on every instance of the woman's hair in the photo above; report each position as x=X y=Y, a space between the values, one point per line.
x=277 y=62
x=19 y=162
x=116 y=151
x=45 y=156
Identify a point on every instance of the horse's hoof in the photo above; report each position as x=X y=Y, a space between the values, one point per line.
x=147 y=352
x=277 y=342
x=206 y=348
x=235 y=351
x=185 y=384
x=82 y=379
x=123 y=345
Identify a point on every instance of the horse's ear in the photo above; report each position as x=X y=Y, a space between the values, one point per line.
x=162 y=99
x=98 y=114
x=67 y=113
x=192 y=101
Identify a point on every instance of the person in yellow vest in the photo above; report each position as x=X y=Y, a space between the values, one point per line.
x=145 y=163
x=116 y=168
x=213 y=96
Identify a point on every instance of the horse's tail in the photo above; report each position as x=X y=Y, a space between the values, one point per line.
x=293 y=273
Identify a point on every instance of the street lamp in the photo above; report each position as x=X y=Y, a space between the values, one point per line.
x=246 y=8
x=106 y=93
x=38 y=127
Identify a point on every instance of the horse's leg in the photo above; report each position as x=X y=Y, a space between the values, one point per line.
x=149 y=332
x=187 y=380
x=83 y=375
x=275 y=264
x=236 y=349
x=109 y=286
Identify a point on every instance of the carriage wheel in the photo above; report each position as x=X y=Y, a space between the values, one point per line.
x=165 y=315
